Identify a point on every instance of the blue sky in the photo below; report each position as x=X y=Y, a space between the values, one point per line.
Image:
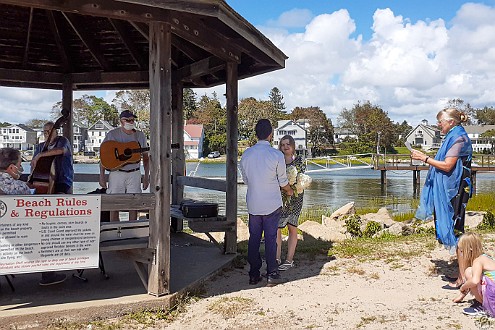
x=407 y=56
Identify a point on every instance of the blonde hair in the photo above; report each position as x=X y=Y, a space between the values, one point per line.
x=453 y=114
x=470 y=246
x=292 y=143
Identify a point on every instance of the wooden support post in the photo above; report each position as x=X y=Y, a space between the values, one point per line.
x=473 y=181
x=232 y=152
x=67 y=104
x=383 y=177
x=178 y=155
x=160 y=124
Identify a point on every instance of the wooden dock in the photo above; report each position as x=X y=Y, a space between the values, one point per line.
x=384 y=163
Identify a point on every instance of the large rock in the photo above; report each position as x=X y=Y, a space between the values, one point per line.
x=321 y=232
x=382 y=216
x=346 y=210
x=473 y=219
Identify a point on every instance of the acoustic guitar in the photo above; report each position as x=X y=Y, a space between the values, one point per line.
x=114 y=155
x=42 y=176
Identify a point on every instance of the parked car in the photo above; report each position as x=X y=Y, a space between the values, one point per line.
x=214 y=154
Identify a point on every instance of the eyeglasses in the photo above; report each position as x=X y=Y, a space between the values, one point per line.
x=46 y=131
x=129 y=120
x=442 y=121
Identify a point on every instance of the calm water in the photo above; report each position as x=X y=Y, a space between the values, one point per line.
x=332 y=189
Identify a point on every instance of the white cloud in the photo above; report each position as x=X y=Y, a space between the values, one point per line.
x=409 y=69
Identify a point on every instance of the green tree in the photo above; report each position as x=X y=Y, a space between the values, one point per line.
x=138 y=102
x=88 y=109
x=250 y=111
x=401 y=130
x=371 y=125
x=320 y=130
x=213 y=117
x=189 y=103
x=277 y=98
x=485 y=116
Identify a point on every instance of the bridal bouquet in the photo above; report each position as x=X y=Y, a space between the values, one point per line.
x=297 y=180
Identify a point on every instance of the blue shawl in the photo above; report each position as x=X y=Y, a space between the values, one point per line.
x=440 y=187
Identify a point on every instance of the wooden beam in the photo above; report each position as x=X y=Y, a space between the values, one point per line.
x=28 y=76
x=77 y=24
x=211 y=184
x=160 y=114
x=231 y=161
x=142 y=28
x=61 y=46
x=117 y=202
x=93 y=77
x=204 y=37
x=200 y=68
x=123 y=32
x=28 y=37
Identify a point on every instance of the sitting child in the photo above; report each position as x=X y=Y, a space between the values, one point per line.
x=479 y=274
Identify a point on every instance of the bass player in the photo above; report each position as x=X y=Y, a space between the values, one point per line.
x=126 y=179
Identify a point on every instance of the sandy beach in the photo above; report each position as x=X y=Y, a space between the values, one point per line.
x=394 y=292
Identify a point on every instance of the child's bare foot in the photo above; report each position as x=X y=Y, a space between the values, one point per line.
x=459 y=298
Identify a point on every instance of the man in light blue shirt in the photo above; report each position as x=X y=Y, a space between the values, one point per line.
x=263 y=170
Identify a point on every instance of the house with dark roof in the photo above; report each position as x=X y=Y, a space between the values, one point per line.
x=18 y=136
x=424 y=136
x=96 y=134
x=296 y=129
x=194 y=136
x=480 y=144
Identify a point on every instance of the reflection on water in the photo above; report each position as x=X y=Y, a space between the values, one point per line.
x=332 y=189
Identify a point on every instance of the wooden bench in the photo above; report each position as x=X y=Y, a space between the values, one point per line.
x=204 y=225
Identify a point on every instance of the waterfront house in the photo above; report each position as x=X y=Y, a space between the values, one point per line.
x=80 y=135
x=296 y=129
x=96 y=134
x=341 y=134
x=424 y=136
x=194 y=136
x=18 y=137
x=480 y=144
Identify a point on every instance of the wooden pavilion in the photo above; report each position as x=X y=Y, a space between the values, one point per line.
x=163 y=45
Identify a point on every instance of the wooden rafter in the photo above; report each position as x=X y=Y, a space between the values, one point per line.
x=194 y=71
x=204 y=37
x=128 y=42
x=62 y=51
x=28 y=37
x=77 y=24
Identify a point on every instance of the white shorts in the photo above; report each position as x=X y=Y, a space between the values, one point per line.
x=124 y=182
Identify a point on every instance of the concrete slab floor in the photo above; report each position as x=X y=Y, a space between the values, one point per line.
x=192 y=260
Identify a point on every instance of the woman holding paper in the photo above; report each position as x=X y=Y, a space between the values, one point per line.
x=448 y=182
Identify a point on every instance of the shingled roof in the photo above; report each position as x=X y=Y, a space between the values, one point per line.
x=104 y=44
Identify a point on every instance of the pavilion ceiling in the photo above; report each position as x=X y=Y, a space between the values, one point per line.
x=104 y=44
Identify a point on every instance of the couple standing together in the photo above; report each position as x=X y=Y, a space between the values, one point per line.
x=264 y=172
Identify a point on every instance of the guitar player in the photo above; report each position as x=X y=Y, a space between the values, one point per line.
x=126 y=179
x=60 y=148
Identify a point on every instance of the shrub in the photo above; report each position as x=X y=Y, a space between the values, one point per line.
x=353 y=225
x=372 y=228
x=488 y=221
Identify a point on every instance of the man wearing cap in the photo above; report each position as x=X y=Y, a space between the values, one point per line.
x=263 y=171
x=126 y=179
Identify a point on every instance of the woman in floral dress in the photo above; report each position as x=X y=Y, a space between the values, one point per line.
x=292 y=206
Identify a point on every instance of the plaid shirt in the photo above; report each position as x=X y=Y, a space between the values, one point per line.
x=11 y=186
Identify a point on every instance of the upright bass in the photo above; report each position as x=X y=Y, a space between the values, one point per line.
x=42 y=176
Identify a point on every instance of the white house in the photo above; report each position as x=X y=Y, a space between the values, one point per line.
x=339 y=134
x=480 y=144
x=18 y=137
x=298 y=130
x=96 y=134
x=80 y=132
x=194 y=136
x=424 y=136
